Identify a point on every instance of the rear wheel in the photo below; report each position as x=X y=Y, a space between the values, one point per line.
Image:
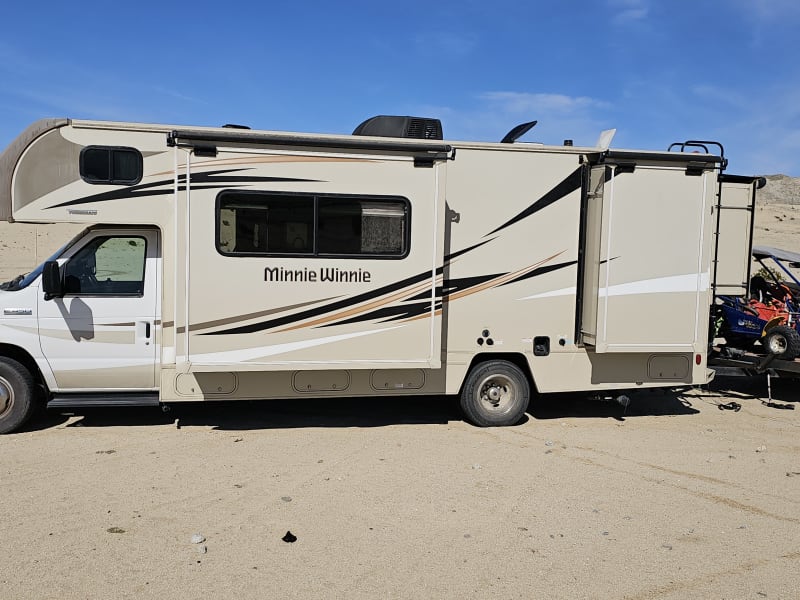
x=495 y=393
x=16 y=395
x=782 y=341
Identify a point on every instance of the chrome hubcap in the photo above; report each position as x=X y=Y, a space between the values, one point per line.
x=777 y=345
x=497 y=391
x=6 y=396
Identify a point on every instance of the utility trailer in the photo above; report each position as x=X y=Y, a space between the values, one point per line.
x=229 y=264
x=751 y=364
x=738 y=362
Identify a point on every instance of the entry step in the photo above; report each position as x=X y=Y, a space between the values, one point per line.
x=104 y=399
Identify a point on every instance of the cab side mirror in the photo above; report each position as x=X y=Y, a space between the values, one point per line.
x=51 y=280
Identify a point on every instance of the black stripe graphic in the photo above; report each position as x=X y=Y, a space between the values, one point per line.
x=571 y=183
x=419 y=303
x=451 y=286
x=541 y=271
x=388 y=314
x=207 y=180
x=450 y=257
x=308 y=314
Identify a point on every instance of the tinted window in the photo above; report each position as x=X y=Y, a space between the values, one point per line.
x=105 y=164
x=95 y=165
x=297 y=224
x=350 y=226
x=251 y=223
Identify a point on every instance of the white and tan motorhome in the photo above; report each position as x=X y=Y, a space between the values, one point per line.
x=225 y=263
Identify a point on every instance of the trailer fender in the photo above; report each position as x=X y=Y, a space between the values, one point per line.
x=772 y=323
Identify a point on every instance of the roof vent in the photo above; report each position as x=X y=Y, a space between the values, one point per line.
x=401 y=127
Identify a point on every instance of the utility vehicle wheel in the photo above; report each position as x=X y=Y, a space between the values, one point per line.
x=496 y=393
x=782 y=341
x=16 y=395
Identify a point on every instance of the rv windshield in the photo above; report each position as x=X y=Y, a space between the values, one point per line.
x=22 y=281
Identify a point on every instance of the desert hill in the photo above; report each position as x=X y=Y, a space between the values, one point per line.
x=780 y=189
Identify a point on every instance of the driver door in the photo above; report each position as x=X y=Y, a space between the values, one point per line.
x=101 y=334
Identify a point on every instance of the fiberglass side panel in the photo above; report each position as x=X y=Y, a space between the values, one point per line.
x=312 y=260
x=512 y=252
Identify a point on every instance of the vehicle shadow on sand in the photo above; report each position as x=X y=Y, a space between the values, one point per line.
x=44 y=420
x=282 y=414
x=785 y=391
x=365 y=412
x=640 y=403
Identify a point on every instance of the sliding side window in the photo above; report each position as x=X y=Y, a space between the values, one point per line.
x=111 y=165
x=265 y=224
x=348 y=226
x=312 y=225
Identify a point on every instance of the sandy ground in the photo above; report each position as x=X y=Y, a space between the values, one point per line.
x=672 y=498
x=23 y=246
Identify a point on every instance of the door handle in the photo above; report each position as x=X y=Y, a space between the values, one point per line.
x=143 y=331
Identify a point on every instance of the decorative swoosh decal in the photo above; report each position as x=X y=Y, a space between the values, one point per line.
x=247 y=317
x=406 y=300
x=347 y=303
x=569 y=184
x=207 y=180
x=572 y=182
x=542 y=271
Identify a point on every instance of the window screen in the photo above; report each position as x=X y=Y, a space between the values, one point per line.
x=296 y=224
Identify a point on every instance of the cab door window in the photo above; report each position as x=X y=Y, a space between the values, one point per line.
x=107 y=266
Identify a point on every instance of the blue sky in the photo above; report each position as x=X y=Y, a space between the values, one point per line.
x=659 y=71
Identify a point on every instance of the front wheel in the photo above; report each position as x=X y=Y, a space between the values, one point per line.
x=782 y=341
x=496 y=393
x=16 y=395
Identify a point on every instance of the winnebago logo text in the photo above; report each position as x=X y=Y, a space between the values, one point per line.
x=333 y=274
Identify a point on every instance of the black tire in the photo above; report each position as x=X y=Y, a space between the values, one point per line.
x=496 y=393
x=17 y=393
x=782 y=341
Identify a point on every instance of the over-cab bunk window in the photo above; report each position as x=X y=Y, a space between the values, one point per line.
x=111 y=165
x=255 y=224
